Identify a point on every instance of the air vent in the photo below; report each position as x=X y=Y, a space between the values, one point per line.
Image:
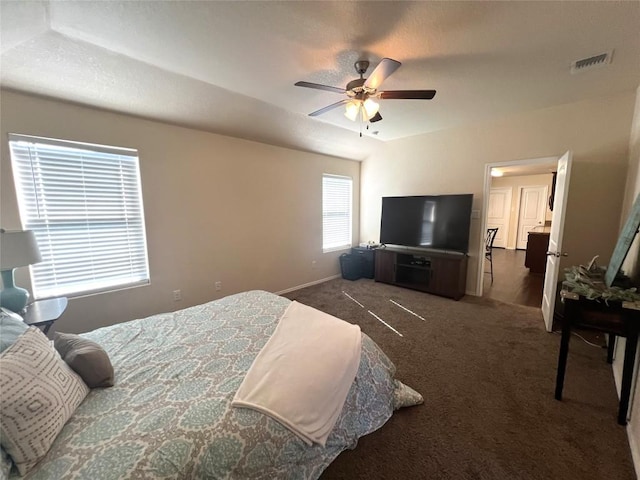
x=600 y=60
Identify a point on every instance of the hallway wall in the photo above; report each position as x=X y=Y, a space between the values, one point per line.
x=515 y=183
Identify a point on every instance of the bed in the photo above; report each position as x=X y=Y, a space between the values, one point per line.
x=169 y=414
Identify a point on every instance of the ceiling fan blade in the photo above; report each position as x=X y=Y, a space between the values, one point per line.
x=385 y=68
x=328 y=107
x=376 y=118
x=407 y=94
x=318 y=86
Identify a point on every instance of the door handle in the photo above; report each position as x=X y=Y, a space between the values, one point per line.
x=557 y=254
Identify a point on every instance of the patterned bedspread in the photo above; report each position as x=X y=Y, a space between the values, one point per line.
x=169 y=414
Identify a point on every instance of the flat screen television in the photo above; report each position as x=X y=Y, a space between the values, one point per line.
x=428 y=221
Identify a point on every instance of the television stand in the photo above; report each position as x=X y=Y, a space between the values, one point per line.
x=437 y=272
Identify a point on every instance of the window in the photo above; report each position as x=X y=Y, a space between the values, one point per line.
x=336 y=212
x=84 y=204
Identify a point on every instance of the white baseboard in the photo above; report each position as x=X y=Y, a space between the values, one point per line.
x=617 y=379
x=310 y=284
x=635 y=451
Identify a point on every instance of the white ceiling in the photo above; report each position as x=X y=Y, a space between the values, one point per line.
x=230 y=67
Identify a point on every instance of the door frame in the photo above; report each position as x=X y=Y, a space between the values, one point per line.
x=485 y=206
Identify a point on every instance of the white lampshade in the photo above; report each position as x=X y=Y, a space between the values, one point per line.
x=358 y=108
x=352 y=110
x=370 y=107
x=18 y=249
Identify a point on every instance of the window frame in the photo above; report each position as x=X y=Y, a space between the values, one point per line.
x=103 y=214
x=347 y=208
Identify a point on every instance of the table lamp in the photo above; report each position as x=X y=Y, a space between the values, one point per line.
x=17 y=249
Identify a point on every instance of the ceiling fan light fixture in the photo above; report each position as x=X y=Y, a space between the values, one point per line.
x=357 y=108
x=352 y=110
x=370 y=107
x=360 y=92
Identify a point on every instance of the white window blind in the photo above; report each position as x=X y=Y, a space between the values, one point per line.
x=336 y=212
x=84 y=204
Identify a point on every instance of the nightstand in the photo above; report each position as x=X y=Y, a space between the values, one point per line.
x=44 y=313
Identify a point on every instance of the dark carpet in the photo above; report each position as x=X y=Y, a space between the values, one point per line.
x=487 y=372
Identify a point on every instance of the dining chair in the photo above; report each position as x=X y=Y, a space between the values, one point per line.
x=488 y=247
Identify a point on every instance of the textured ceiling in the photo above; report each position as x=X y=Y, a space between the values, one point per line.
x=230 y=67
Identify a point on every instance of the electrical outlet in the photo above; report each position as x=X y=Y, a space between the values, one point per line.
x=313 y=264
x=218 y=286
x=177 y=295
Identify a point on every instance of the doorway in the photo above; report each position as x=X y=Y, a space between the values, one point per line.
x=517 y=203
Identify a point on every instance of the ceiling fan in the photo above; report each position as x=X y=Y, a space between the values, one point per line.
x=361 y=92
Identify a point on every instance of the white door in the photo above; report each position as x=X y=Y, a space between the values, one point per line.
x=499 y=214
x=533 y=206
x=555 y=239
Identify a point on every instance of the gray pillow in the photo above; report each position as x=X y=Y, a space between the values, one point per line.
x=5 y=464
x=405 y=396
x=86 y=358
x=10 y=329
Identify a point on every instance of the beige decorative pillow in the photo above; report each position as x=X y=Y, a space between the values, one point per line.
x=86 y=358
x=405 y=396
x=39 y=394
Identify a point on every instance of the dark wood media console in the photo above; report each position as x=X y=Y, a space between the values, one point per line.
x=440 y=273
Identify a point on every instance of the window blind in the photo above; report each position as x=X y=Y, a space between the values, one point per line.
x=336 y=212
x=84 y=204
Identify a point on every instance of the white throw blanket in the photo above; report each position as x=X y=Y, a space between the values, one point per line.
x=303 y=374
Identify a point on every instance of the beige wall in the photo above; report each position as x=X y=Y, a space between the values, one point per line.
x=631 y=267
x=515 y=183
x=217 y=209
x=453 y=161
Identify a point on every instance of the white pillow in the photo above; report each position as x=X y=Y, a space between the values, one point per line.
x=39 y=394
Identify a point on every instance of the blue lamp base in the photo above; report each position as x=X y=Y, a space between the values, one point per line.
x=11 y=297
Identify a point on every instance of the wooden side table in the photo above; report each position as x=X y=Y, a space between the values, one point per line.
x=617 y=318
x=44 y=313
